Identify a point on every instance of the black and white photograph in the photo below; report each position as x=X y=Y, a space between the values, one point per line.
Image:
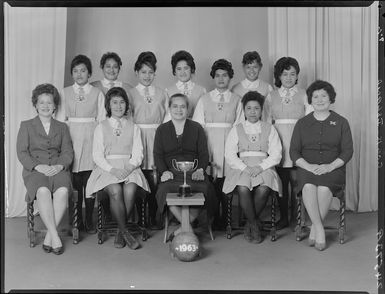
x=193 y=148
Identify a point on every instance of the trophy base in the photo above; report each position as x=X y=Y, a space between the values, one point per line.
x=184 y=191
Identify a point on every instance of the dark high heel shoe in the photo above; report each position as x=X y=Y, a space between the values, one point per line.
x=58 y=250
x=130 y=240
x=119 y=240
x=46 y=248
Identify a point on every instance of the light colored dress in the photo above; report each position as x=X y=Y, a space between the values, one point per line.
x=148 y=113
x=82 y=110
x=251 y=144
x=192 y=90
x=116 y=146
x=245 y=86
x=283 y=107
x=104 y=85
x=217 y=118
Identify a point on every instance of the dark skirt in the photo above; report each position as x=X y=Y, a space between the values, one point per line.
x=34 y=180
x=334 y=180
x=172 y=186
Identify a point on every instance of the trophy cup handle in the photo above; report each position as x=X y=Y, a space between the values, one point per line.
x=174 y=165
x=195 y=164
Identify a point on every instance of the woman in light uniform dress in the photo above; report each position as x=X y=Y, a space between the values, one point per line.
x=82 y=107
x=218 y=111
x=118 y=154
x=283 y=107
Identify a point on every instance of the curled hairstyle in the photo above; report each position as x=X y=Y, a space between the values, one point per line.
x=321 y=85
x=148 y=58
x=253 y=96
x=115 y=92
x=250 y=57
x=182 y=55
x=48 y=89
x=82 y=59
x=110 y=55
x=222 y=64
x=282 y=64
x=178 y=95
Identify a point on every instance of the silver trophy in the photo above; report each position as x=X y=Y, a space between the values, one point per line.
x=185 y=166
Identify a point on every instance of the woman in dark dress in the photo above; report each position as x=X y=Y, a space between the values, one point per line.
x=44 y=148
x=183 y=140
x=320 y=147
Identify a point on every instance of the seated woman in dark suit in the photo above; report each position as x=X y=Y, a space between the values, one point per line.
x=183 y=140
x=44 y=148
x=321 y=146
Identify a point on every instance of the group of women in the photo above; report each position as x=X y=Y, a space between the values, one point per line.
x=249 y=138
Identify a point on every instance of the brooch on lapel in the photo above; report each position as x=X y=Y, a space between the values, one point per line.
x=220 y=106
x=333 y=123
x=253 y=138
x=148 y=99
x=117 y=132
x=287 y=100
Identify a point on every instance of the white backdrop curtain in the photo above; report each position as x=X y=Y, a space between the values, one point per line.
x=338 y=45
x=35 y=42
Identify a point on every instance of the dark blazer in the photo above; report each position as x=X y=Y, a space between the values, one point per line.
x=35 y=147
x=167 y=147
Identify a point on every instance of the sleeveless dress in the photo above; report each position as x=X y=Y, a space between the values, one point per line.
x=263 y=88
x=82 y=122
x=284 y=114
x=219 y=119
x=193 y=97
x=148 y=116
x=258 y=145
x=117 y=150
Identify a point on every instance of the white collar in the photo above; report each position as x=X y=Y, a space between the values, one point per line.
x=250 y=84
x=115 y=122
x=253 y=127
x=86 y=87
x=292 y=91
x=180 y=85
x=106 y=83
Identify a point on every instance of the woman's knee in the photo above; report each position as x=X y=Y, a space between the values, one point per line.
x=43 y=192
x=61 y=193
x=129 y=190
x=115 y=192
x=323 y=190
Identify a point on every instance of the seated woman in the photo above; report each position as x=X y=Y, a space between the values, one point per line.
x=44 y=148
x=183 y=140
x=118 y=154
x=252 y=150
x=320 y=147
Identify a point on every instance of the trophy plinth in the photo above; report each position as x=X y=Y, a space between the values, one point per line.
x=185 y=166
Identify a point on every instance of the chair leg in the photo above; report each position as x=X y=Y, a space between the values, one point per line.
x=100 y=224
x=298 y=227
x=229 y=200
x=75 y=219
x=342 y=225
x=30 y=220
x=273 y=230
x=165 y=226
x=143 y=219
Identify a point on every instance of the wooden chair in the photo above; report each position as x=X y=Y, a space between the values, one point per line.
x=230 y=228
x=191 y=201
x=72 y=214
x=340 y=195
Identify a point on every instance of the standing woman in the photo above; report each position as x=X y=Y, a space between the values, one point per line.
x=118 y=154
x=218 y=111
x=110 y=63
x=252 y=65
x=82 y=107
x=44 y=148
x=320 y=147
x=253 y=149
x=283 y=107
x=149 y=104
x=183 y=67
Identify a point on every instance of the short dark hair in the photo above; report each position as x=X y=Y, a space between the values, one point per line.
x=115 y=92
x=82 y=59
x=148 y=58
x=250 y=57
x=110 y=55
x=282 y=64
x=45 y=89
x=182 y=55
x=253 y=96
x=321 y=85
x=224 y=65
x=176 y=95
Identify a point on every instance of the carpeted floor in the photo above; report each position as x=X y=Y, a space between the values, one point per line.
x=224 y=265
